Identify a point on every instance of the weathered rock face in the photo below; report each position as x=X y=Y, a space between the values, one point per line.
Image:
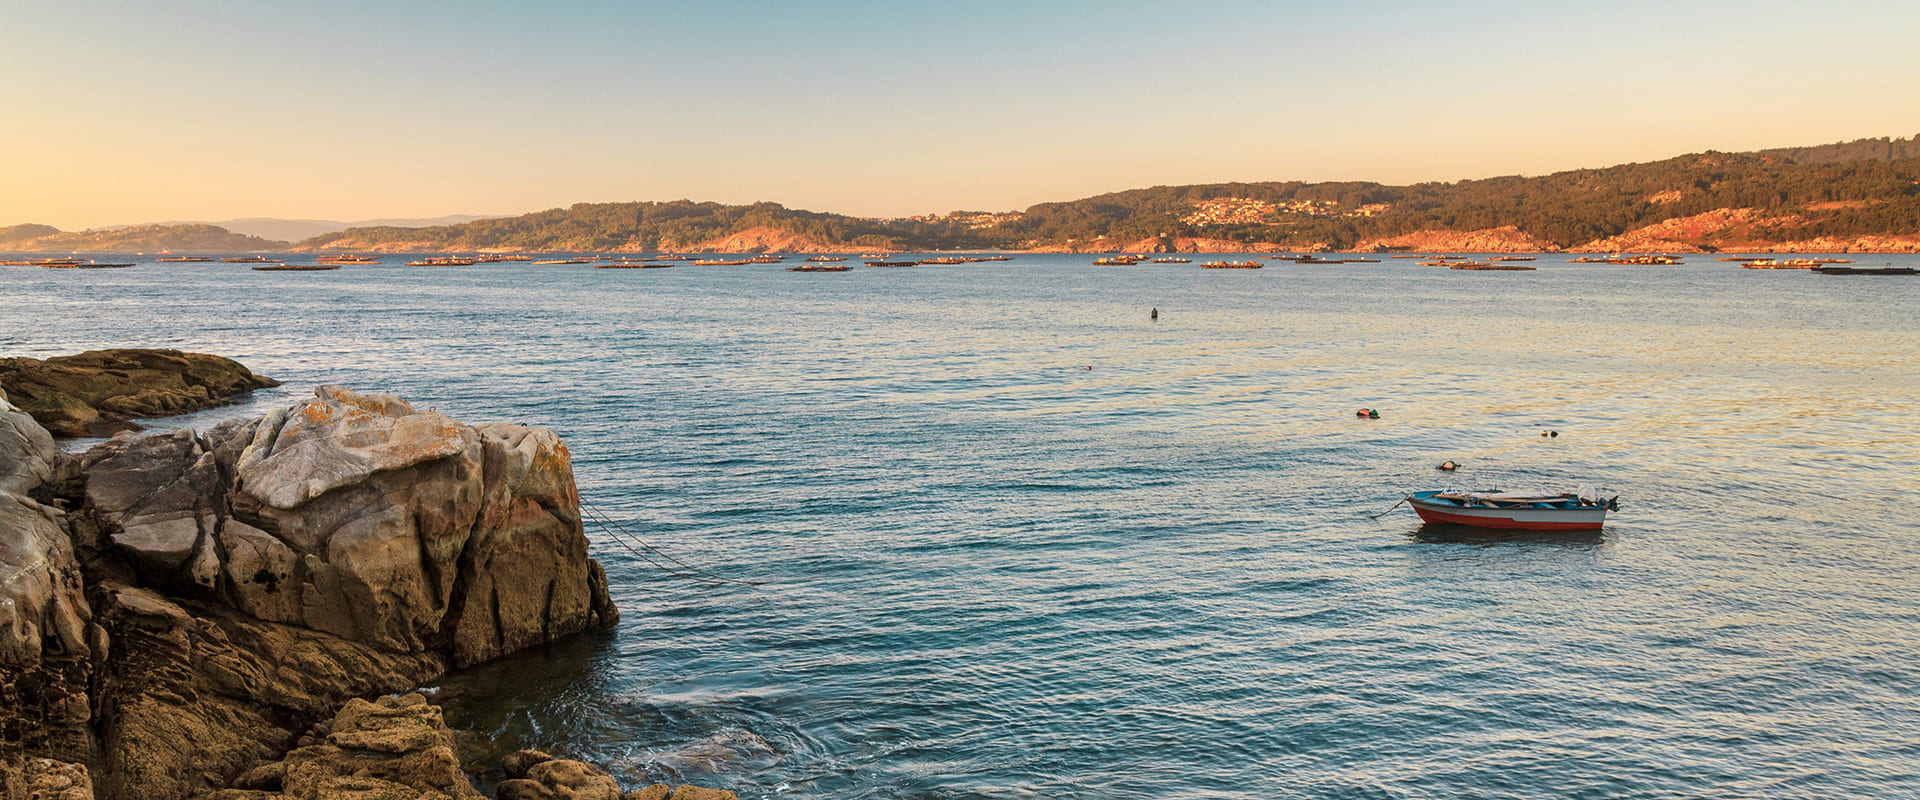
x=1505 y=239
x=95 y=393
x=193 y=697
x=47 y=640
x=399 y=748
x=358 y=516
x=242 y=583
x=393 y=748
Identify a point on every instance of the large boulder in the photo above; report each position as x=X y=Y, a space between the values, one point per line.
x=254 y=577
x=26 y=450
x=97 y=392
x=362 y=517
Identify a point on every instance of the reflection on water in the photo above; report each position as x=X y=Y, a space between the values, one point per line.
x=992 y=572
x=1450 y=533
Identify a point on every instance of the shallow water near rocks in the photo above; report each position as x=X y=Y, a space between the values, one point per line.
x=987 y=571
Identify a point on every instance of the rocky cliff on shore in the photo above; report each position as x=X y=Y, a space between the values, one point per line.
x=97 y=392
x=180 y=608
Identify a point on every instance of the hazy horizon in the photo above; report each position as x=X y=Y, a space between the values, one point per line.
x=219 y=110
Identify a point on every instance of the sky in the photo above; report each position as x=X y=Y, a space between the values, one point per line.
x=125 y=111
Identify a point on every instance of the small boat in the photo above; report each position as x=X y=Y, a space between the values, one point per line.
x=1116 y=261
x=1523 y=511
x=296 y=267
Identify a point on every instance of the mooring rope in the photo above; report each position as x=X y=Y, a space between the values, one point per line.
x=1389 y=508
x=627 y=539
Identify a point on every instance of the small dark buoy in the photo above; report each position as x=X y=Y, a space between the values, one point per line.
x=1088 y=367
x=1554 y=434
x=1447 y=466
x=1367 y=413
x=1154 y=314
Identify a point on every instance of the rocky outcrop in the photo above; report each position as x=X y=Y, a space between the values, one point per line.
x=242 y=583
x=399 y=748
x=97 y=392
x=1505 y=239
x=48 y=642
x=761 y=239
x=1742 y=230
x=47 y=779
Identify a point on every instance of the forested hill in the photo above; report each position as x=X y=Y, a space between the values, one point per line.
x=1774 y=198
x=188 y=238
x=1852 y=195
x=1881 y=149
x=680 y=225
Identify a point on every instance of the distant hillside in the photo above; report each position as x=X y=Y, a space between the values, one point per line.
x=293 y=230
x=1860 y=195
x=1881 y=149
x=135 y=239
x=680 y=225
x=1852 y=196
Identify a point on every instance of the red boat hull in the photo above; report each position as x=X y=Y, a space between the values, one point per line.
x=1491 y=518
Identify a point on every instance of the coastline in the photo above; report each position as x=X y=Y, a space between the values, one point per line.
x=262 y=626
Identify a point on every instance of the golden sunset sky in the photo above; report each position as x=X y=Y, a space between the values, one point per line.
x=120 y=112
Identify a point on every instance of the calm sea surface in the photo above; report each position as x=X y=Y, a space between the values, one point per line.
x=1014 y=539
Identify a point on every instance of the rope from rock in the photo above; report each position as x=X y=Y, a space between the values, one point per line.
x=627 y=540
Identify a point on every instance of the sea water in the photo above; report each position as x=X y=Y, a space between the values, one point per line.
x=1008 y=536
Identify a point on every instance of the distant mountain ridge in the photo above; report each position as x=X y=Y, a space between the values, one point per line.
x=1858 y=196
x=294 y=230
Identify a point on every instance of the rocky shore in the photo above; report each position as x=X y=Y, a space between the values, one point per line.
x=206 y=615
x=97 y=392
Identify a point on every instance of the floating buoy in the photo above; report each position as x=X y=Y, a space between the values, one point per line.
x=1447 y=466
x=1367 y=413
x=1554 y=434
x=1086 y=367
x=1154 y=314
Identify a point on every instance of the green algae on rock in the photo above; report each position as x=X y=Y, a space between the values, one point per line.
x=98 y=392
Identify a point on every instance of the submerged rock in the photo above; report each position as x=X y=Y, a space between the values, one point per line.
x=97 y=392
